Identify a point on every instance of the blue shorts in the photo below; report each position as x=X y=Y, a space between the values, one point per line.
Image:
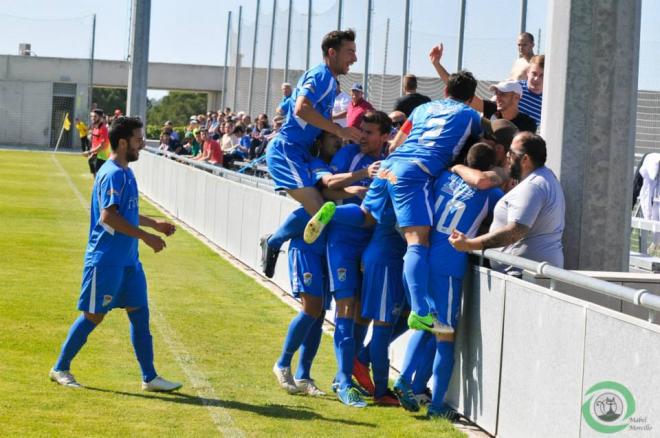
x=344 y=260
x=307 y=275
x=409 y=189
x=445 y=294
x=289 y=165
x=106 y=287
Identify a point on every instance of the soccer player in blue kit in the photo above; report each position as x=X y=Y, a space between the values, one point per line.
x=457 y=206
x=429 y=141
x=352 y=165
x=288 y=155
x=113 y=275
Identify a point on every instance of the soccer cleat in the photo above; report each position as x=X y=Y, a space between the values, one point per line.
x=417 y=322
x=308 y=386
x=389 y=399
x=285 y=379
x=318 y=222
x=404 y=392
x=351 y=397
x=445 y=413
x=424 y=398
x=159 y=384
x=363 y=392
x=428 y=323
x=361 y=374
x=268 y=256
x=64 y=378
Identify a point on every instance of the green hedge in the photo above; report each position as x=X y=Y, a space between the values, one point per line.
x=153 y=131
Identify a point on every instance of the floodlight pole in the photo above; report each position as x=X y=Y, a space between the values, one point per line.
x=138 y=64
x=254 y=53
x=224 y=72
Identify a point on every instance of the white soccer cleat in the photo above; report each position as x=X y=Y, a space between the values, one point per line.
x=161 y=385
x=285 y=379
x=308 y=386
x=442 y=329
x=64 y=378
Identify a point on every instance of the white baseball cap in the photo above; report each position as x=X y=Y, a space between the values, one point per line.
x=507 y=87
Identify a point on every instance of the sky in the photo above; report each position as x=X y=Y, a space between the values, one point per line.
x=197 y=35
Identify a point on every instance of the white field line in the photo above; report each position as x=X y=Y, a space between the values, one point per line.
x=197 y=378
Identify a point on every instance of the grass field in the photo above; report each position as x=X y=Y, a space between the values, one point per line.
x=214 y=328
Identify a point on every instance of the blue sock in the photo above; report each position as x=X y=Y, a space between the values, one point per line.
x=412 y=356
x=293 y=226
x=442 y=369
x=359 y=333
x=298 y=329
x=416 y=271
x=399 y=328
x=308 y=349
x=380 y=364
x=74 y=341
x=349 y=214
x=424 y=366
x=344 y=350
x=142 y=342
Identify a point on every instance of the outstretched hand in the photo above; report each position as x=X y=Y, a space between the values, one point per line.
x=436 y=54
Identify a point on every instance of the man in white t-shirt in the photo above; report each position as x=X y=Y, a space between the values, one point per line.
x=529 y=220
x=339 y=111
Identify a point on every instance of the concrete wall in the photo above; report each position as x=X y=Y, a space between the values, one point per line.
x=526 y=356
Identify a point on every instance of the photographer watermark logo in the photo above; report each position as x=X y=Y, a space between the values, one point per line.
x=609 y=408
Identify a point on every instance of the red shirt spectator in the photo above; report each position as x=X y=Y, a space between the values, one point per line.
x=357 y=107
x=213 y=152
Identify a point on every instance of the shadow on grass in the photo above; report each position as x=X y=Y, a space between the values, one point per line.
x=267 y=410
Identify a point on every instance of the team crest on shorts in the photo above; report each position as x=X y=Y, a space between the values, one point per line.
x=107 y=299
x=307 y=278
x=341 y=274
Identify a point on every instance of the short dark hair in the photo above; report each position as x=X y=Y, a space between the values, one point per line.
x=461 y=85
x=529 y=36
x=481 y=156
x=334 y=39
x=410 y=82
x=122 y=127
x=538 y=60
x=378 y=118
x=98 y=111
x=534 y=146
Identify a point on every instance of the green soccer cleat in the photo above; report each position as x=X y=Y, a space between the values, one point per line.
x=318 y=222
x=417 y=322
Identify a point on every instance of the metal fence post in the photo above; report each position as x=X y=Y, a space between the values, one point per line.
x=238 y=57
x=461 y=36
x=91 y=67
x=309 y=32
x=254 y=53
x=523 y=16
x=339 y=11
x=365 y=81
x=224 y=72
x=270 y=57
x=406 y=35
x=288 y=43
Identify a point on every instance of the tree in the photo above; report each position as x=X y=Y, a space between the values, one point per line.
x=177 y=106
x=110 y=99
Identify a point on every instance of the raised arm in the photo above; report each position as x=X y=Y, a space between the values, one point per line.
x=435 y=55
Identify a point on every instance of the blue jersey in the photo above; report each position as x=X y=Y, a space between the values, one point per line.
x=349 y=159
x=456 y=206
x=319 y=86
x=439 y=131
x=114 y=185
x=286 y=105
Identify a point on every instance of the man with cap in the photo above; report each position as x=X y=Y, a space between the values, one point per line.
x=357 y=107
x=505 y=106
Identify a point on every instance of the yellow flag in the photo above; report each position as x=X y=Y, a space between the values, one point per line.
x=67 y=122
